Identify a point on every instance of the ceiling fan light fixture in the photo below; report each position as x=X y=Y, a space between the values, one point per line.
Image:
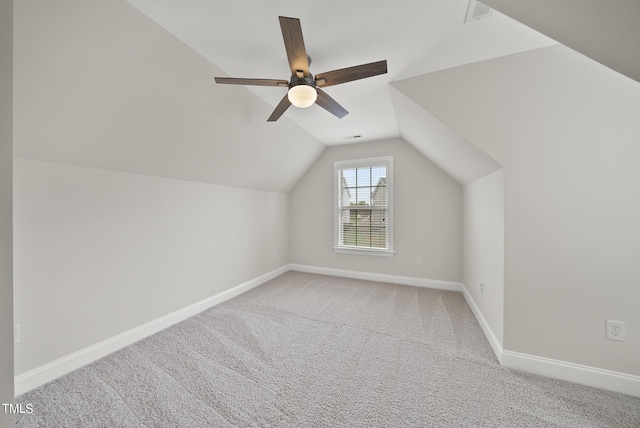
x=302 y=96
x=304 y=90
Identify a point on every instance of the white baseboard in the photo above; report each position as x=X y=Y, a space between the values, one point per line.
x=563 y=370
x=599 y=378
x=393 y=279
x=48 y=372
x=488 y=331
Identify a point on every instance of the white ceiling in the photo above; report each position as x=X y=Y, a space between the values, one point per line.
x=243 y=39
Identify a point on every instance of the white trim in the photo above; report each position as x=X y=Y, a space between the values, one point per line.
x=563 y=370
x=592 y=376
x=364 y=250
x=48 y=372
x=488 y=332
x=364 y=162
x=393 y=279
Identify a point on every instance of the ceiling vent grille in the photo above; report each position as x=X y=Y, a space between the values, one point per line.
x=477 y=11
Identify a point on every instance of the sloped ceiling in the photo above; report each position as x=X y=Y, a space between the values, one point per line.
x=244 y=39
x=545 y=95
x=606 y=31
x=98 y=84
x=450 y=151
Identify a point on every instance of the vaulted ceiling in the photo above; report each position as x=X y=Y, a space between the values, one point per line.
x=128 y=85
x=414 y=36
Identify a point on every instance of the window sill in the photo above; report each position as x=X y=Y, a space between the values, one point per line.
x=364 y=251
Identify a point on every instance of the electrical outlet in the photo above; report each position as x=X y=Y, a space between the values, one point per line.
x=419 y=260
x=615 y=330
x=16 y=334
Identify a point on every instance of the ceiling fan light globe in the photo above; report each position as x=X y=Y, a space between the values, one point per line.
x=302 y=96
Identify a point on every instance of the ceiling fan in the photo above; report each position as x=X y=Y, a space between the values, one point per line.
x=304 y=89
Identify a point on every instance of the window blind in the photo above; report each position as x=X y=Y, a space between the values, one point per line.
x=363 y=207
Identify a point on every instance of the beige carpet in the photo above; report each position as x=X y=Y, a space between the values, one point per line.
x=308 y=350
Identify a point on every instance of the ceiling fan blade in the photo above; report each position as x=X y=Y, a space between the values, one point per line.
x=255 y=82
x=294 y=44
x=280 y=108
x=330 y=105
x=348 y=74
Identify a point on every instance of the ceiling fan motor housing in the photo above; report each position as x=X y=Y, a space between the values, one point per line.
x=295 y=81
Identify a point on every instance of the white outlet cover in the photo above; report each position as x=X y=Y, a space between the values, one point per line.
x=615 y=330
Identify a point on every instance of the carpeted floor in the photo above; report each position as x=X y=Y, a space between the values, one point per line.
x=307 y=350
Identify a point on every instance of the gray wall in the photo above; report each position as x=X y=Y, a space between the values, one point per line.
x=100 y=252
x=483 y=247
x=566 y=130
x=6 y=204
x=427 y=216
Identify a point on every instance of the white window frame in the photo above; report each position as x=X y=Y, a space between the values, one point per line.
x=387 y=161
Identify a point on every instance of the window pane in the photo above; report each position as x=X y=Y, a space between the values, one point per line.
x=364 y=195
x=380 y=196
x=360 y=224
x=345 y=197
x=349 y=176
x=364 y=176
x=377 y=173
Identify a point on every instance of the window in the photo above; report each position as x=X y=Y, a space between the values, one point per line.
x=363 y=213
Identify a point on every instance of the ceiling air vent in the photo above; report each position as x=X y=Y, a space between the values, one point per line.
x=477 y=11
